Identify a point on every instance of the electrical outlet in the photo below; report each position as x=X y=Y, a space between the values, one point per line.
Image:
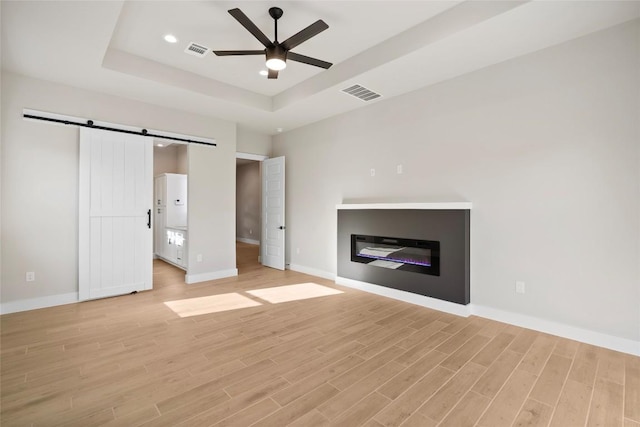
x=297 y=251
x=199 y=258
x=373 y=172
x=399 y=169
x=30 y=276
x=250 y=231
x=519 y=287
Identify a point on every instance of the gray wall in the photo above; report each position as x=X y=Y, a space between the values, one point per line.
x=546 y=146
x=248 y=201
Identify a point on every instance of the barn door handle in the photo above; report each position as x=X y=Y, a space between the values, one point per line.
x=149 y=218
x=281 y=227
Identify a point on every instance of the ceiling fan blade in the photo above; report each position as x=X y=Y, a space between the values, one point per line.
x=250 y=26
x=308 y=60
x=304 y=35
x=238 y=52
x=273 y=74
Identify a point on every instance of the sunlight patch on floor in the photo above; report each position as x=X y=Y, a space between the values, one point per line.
x=293 y=292
x=210 y=304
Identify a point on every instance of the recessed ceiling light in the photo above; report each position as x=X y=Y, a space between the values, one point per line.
x=264 y=73
x=279 y=129
x=159 y=145
x=170 y=38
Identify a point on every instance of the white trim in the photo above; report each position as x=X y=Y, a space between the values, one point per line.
x=422 y=206
x=35 y=303
x=251 y=156
x=249 y=241
x=212 y=275
x=434 y=303
x=311 y=271
x=159 y=133
x=612 y=342
x=559 y=329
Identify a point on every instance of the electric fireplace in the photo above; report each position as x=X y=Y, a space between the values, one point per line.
x=419 y=256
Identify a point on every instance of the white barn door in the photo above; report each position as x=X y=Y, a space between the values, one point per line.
x=273 y=226
x=115 y=201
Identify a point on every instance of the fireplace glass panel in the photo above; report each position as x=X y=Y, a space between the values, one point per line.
x=420 y=256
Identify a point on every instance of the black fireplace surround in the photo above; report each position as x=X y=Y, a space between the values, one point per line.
x=449 y=228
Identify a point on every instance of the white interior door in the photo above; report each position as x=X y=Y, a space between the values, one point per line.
x=273 y=225
x=115 y=201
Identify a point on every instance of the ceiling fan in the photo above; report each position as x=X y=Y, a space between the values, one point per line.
x=277 y=53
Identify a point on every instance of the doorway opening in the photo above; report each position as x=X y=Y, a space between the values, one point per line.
x=248 y=210
x=170 y=205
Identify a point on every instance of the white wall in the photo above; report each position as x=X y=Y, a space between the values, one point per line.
x=40 y=179
x=253 y=142
x=546 y=147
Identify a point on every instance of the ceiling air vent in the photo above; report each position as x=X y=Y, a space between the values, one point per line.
x=361 y=93
x=196 y=49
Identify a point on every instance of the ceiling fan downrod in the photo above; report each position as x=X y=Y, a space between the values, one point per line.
x=276 y=13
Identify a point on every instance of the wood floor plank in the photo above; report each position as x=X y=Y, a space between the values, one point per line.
x=550 y=382
x=405 y=379
x=353 y=375
x=606 y=404
x=358 y=391
x=585 y=364
x=533 y=413
x=497 y=374
x=324 y=375
x=467 y=411
x=351 y=358
x=419 y=420
x=457 y=340
x=632 y=389
x=448 y=396
x=462 y=355
x=250 y=415
x=415 y=353
x=536 y=358
x=361 y=412
x=298 y=407
x=137 y=417
x=407 y=403
x=227 y=408
x=505 y=406
x=573 y=405
x=311 y=419
x=493 y=349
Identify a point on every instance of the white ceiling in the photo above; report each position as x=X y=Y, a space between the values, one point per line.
x=390 y=47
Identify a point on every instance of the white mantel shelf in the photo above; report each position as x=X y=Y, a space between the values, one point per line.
x=424 y=206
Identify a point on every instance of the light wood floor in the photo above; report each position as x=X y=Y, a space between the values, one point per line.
x=346 y=360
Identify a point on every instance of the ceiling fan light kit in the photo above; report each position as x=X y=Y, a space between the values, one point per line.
x=276 y=58
x=277 y=53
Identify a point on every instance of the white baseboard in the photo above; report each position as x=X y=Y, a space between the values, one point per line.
x=311 y=271
x=35 y=303
x=249 y=241
x=559 y=329
x=434 y=303
x=554 y=328
x=212 y=275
